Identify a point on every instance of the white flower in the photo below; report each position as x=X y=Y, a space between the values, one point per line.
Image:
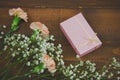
x=77 y=56
x=28 y=63
x=2 y=33
x=4 y=26
x=18 y=12
x=5 y=47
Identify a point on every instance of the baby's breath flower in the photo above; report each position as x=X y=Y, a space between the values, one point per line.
x=13 y=55
x=77 y=56
x=24 y=55
x=2 y=33
x=28 y=63
x=29 y=76
x=5 y=47
x=4 y=26
x=118 y=78
x=118 y=72
x=110 y=75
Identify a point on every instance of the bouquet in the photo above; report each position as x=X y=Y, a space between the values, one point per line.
x=36 y=57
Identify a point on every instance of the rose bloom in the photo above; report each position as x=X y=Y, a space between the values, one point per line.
x=18 y=12
x=50 y=63
x=41 y=27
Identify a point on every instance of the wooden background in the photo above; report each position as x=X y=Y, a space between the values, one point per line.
x=102 y=15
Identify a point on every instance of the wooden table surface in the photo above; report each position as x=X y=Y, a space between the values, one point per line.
x=102 y=15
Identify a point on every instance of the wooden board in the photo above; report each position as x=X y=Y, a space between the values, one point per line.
x=61 y=3
x=103 y=16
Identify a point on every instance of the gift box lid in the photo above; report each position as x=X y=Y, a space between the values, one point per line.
x=80 y=35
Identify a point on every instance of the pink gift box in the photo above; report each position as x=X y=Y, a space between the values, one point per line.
x=80 y=35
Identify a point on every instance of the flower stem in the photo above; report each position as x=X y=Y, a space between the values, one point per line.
x=17 y=74
x=4 y=77
x=6 y=56
x=15 y=23
x=8 y=66
x=44 y=76
x=6 y=70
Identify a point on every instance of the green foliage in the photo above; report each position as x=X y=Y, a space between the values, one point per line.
x=38 y=68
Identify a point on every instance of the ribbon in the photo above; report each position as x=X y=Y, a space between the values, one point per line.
x=90 y=39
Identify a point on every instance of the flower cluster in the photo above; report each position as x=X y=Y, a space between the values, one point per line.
x=34 y=53
x=39 y=54
x=87 y=71
x=2 y=35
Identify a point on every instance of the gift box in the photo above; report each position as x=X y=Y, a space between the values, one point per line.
x=80 y=35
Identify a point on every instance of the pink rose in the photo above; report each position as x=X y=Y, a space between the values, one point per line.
x=50 y=63
x=41 y=27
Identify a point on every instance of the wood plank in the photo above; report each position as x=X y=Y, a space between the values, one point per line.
x=103 y=21
x=102 y=15
x=61 y=3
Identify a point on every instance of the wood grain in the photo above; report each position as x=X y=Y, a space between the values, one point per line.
x=61 y=3
x=103 y=16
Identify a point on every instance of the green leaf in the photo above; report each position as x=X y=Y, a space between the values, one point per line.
x=38 y=68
